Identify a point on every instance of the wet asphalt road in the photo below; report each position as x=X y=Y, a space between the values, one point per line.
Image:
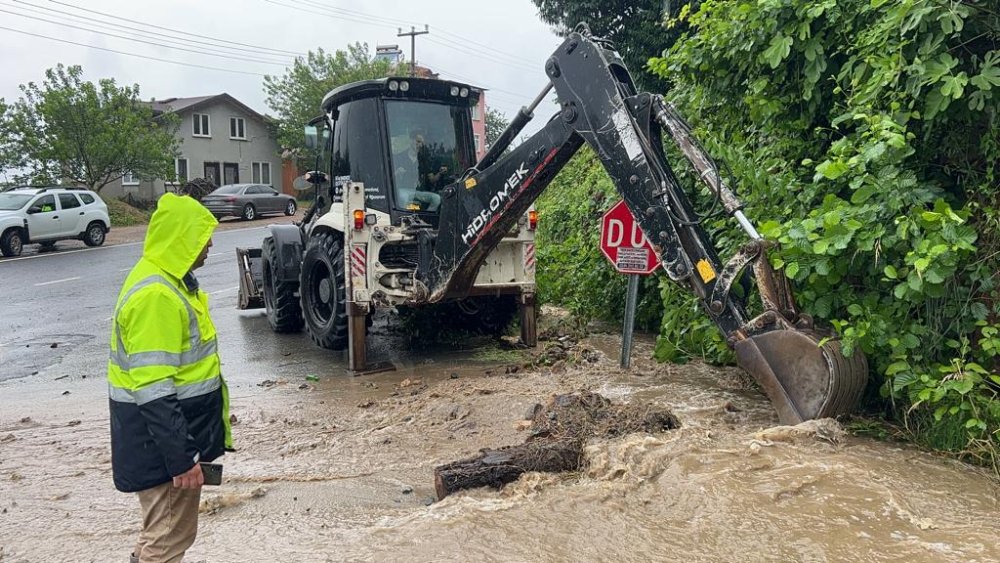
x=55 y=317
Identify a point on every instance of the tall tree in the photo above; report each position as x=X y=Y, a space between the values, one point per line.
x=496 y=122
x=636 y=27
x=85 y=133
x=296 y=96
x=7 y=152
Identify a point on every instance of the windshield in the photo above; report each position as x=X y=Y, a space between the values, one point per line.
x=429 y=151
x=12 y=202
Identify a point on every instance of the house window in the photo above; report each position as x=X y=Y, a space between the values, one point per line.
x=180 y=170
x=261 y=172
x=475 y=113
x=202 y=125
x=130 y=179
x=237 y=128
x=479 y=143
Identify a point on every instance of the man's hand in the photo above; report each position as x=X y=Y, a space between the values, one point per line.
x=190 y=479
x=435 y=176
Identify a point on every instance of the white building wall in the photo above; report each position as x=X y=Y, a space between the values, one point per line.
x=257 y=146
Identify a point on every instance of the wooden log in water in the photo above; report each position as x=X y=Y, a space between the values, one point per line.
x=496 y=468
x=557 y=435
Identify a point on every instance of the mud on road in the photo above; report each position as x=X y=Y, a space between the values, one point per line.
x=341 y=469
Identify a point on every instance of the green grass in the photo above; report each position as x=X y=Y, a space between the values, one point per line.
x=920 y=428
x=494 y=353
x=124 y=215
x=872 y=428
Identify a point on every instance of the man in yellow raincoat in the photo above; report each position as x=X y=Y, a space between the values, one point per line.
x=169 y=404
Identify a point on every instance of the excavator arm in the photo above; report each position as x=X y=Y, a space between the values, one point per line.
x=801 y=369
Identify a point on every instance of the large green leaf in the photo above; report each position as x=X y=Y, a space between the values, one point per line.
x=832 y=170
x=781 y=46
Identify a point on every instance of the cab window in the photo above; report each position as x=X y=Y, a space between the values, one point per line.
x=430 y=150
x=357 y=151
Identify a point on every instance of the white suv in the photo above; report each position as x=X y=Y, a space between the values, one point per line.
x=46 y=215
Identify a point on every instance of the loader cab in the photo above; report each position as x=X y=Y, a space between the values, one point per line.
x=404 y=138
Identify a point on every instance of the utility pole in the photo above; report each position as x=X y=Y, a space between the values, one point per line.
x=412 y=34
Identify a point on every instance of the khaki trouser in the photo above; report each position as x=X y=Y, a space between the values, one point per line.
x=169 y=523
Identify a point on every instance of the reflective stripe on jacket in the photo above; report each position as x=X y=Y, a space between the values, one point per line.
x=169 y=403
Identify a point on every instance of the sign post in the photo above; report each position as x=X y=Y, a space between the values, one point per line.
x=628 y=249
x=630 y=299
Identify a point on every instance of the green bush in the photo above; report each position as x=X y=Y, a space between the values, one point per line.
x=864 y=134
x=124 y=215
x=573 y=273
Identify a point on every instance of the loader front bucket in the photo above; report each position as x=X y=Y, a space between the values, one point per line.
x=802 y=379
x=251 y=276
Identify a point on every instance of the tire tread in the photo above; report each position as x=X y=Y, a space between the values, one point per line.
x=286 y=315
x=325 y=245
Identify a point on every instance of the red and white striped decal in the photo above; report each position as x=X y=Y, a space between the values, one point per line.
x=529 y=257
x=359 y=259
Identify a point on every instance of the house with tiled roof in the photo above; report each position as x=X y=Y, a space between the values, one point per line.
x=221 y=139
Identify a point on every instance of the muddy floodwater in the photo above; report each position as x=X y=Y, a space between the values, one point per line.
x=332 y=468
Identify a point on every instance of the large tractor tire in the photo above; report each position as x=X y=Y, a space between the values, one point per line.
x=281 y=298
x=323 y=291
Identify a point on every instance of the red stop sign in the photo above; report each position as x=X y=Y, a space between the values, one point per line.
x=623 y=242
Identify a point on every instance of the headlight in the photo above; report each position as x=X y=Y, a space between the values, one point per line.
x=393 y=85
x=454 y=90
x=404 y=86
x=464 y=93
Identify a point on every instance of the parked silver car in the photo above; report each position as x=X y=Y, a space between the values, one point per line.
x=248 y=201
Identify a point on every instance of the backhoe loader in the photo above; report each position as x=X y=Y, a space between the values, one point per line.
x=405 y=216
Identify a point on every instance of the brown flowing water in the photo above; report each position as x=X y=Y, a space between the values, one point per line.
x=341 y=469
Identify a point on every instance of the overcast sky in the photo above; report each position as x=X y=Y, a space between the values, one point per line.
x=498 y=45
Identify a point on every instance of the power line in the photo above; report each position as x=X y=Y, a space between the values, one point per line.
x=460 y=39
x=377 y=22
x=335 y=9
x=324 y=14
x=154 y=43
x=470 y=41
x=132 y=54
x=483 y=55
x=488 y=54
x=172 y=37
x=293 y=53
x=354 y=16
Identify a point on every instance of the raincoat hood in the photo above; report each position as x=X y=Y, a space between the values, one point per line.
x=178 y=232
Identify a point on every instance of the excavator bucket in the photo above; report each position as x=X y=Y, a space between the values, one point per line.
x=802 y=378
x=251 y=278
